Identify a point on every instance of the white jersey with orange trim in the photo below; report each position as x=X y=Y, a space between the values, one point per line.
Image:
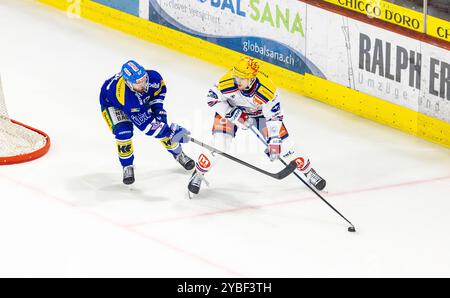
x=260 y=100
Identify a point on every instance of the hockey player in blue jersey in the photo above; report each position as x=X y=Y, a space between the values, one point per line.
x=135 y=97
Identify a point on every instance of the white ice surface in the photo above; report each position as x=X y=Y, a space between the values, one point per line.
x=67 y=214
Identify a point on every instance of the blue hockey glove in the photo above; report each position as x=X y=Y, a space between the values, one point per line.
x=161 y=116
x=179 y=134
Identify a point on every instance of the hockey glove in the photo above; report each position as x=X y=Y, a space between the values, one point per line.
x=274 y=148
x=161 y=116
x=179 y=134
x=239 y=118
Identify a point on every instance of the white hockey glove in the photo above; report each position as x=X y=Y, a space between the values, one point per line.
x=274 y=148
x=239 y=118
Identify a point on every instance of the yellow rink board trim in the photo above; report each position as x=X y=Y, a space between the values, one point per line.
x=344 y=98
x=438 y=28
x=378 y=110
x=385 y=11
x=398 y=15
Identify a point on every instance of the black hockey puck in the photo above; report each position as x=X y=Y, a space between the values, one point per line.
x=351 y=229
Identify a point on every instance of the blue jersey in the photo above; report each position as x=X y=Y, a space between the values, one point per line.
x=122 y=108
x=141 y=109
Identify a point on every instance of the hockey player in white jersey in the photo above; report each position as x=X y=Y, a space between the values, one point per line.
x=242 y=98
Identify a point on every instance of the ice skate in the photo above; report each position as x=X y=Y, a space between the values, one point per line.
x=128 y=175
x=185 y=161
x=195 y=184
x=315 y=180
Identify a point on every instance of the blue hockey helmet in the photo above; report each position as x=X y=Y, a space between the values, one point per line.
x=132 y=72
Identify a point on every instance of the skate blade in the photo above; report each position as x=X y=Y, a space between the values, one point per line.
x=191 y=195
x=325 y=190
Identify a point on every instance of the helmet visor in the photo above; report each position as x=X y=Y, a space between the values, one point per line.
x=141 y=84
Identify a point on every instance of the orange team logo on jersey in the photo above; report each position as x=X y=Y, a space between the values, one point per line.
x=257 y=101
x=203 y=161
x=223 y=125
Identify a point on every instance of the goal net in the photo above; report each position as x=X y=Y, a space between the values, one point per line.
x=19 y=142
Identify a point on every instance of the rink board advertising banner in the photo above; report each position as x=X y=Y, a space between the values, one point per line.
x=269 y=30
x=308 y=42
x=365 y=58
x=385 y=11
x=438 y=28
x=386 y=65
x=398 y=15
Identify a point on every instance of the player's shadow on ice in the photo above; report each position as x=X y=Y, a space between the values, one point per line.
x=233 y=195
x=106 y=187
x=156 y=174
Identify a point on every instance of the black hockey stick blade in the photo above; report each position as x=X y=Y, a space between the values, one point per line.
x=289 y=169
